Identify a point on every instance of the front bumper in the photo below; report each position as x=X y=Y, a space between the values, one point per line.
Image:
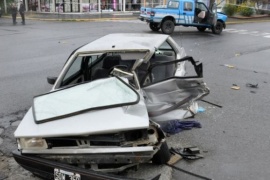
x=45 y=168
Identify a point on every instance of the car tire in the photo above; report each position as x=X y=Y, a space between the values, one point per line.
x=201 y=29
x=154 y=26
x=163 y=155
x=167 y=26
x=217 y=29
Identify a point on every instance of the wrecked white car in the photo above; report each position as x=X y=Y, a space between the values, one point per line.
x=104 y=110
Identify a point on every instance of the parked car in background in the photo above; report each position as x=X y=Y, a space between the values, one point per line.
x=103 y=112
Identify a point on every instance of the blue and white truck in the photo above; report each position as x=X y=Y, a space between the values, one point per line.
x=184 y=13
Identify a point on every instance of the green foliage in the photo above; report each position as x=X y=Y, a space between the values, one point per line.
x=260 y=11
x=245 y=9
x=8 y=3
x=263 y=11
x=230 y=9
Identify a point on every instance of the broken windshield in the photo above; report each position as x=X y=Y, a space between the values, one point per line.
x=100 y=94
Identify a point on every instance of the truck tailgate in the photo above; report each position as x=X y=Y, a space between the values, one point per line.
x=145 y=12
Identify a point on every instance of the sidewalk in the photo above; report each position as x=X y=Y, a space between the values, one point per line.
x=243 y=19
x=83 y=16
x=129 y=15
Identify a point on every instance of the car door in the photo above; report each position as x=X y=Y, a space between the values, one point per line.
x=188 y=11
x=173 y=9
x=169 y=97
x=212 y=19
x=214 y=12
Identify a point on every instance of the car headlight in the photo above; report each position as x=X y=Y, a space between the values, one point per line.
x=32 y=143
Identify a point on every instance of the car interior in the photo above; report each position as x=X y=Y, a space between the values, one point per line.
x=89 y=67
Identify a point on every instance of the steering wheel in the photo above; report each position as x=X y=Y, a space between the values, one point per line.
x=124 y=67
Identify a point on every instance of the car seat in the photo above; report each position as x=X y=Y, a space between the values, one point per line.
x=108 y=63
x=162 y=72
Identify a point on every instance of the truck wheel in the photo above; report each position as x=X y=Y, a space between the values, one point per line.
x=167 y=26
x=154 y=26
x=163 y=155
x=218 y=28
x=201 y=29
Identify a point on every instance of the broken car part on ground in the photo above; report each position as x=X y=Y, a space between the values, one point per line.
x=103 y=112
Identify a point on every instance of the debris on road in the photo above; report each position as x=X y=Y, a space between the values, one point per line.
x=190 y=173
x=174 y=158
x=176 y=126
x=229 y=66
x=200 y=109
x=235 y=87
x=252 y=85
x=211 y=103
x=188 y=153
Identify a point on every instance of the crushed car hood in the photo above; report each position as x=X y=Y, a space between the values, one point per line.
x=102 y=106
x=92 y=122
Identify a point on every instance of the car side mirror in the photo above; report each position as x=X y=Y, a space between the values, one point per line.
x=51 y=80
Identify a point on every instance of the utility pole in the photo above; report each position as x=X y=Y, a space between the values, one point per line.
x=5 y=6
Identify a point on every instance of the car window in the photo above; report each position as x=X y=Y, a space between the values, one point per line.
x=166 y=49
x=164 y=70
x=188 y=6
x=159 y=73
x=104 y=93
x=163 y=53
x=74 y=68
x=173 y=4
x=80 y=70
x=201 y=6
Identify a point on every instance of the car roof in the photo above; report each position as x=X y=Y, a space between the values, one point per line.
x=125 y=41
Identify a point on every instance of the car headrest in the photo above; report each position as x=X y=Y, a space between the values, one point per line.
x=110 y=61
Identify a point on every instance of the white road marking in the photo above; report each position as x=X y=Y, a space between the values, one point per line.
x=241 y=31
x=246 y=32
x=230 y=30
x=129 y=21
x=265 y=34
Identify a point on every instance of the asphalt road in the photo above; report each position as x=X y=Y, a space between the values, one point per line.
x=234 y=139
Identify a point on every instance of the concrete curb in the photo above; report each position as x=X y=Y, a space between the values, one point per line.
x=97 y=17
x=243 y=22
x=82 y=20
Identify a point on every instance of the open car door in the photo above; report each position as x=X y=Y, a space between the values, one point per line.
x=169 y=97
x=213 y=14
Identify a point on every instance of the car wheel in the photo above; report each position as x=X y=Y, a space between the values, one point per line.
x=167 y=26
x=154 y=26
x=201 y=29
x=218 y=28
x=163 y=155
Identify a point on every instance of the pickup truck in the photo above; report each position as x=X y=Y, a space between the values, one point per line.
x=184 y=13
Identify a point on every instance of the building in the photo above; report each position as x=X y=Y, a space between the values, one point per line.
x=80 y=6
